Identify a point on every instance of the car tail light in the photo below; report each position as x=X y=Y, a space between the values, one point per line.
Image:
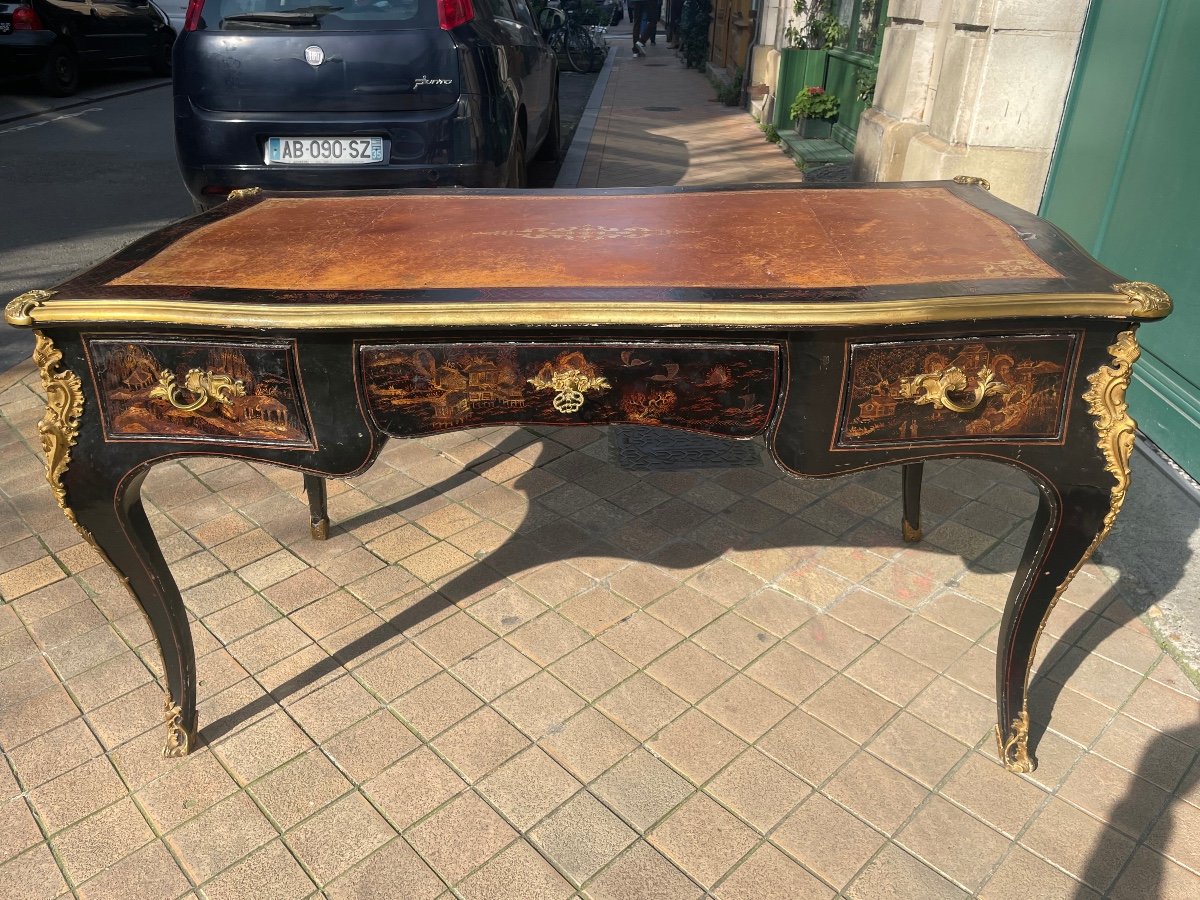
x=24 y=18
x=452 y=13
x=191 y=19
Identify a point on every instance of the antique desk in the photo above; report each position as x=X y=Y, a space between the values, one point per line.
x=852 y=326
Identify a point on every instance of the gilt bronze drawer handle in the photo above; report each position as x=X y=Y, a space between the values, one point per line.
x=207 y=388
x=570 y=385
x=935 y=388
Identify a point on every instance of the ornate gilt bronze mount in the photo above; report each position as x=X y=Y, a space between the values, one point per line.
x=206 y=387
x=935 y=388
x=571 y=385
x=1014 y=752
x=242 y=193
x=179 y=739
x=1146 y=300
x=19 y=310
x=59 y=428
x=973 y=179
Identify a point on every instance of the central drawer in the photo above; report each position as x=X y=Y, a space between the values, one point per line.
x=719 y=389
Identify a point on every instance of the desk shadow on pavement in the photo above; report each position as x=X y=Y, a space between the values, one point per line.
x=1149 y=546
x=675 y=535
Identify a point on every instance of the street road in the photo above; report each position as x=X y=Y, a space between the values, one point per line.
x=78 y=181
x=82 y=177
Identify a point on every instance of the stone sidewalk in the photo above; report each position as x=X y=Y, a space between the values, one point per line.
x=583 y=680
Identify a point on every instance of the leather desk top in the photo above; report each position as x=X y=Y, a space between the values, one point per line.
x=762 y=239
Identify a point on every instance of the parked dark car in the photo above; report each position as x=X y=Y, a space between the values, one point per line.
x=52 y=40
x=286 y=95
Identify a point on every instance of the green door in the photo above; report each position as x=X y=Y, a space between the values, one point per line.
x=1124 y=184
x=853 y=63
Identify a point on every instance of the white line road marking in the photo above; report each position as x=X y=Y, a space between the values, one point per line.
x=29 y=125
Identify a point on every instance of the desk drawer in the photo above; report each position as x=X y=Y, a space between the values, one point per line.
x=199 y=390
x=716 y=389
x=955 y=390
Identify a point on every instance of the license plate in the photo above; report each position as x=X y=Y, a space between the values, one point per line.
x=325 y=151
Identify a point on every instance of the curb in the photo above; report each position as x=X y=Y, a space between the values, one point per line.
x=581 y=141
x=93 y=99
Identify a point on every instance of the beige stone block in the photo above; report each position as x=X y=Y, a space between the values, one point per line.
x=881 y=146
x=959 y=76
x=1018 y=176
x=1026 y=15
x=924 y=10
x=905 y=69
x=1022 y=89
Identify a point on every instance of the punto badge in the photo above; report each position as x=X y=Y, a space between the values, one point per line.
x=314 y=55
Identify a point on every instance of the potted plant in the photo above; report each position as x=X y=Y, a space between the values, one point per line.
x=814 y=111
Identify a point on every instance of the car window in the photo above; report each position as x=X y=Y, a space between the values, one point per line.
x=523 y=13
x=501 y=9
x=307 y=15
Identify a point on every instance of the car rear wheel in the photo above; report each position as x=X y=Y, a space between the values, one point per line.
x=516 y=162
x=160 y=62
x=551 y=147
x=59 y=76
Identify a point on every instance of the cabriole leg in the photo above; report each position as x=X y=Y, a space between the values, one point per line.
x=318 y=506
x=1078 y=505
x=121 y=531
x=103 y=500
x=911 y=523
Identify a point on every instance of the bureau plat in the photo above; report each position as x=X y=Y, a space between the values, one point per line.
x=849 y=326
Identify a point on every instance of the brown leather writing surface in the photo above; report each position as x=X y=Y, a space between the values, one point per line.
x=734 y=240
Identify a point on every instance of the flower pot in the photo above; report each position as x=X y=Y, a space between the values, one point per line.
x=814 y=129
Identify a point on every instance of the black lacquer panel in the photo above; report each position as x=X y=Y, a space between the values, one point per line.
x=717 y=389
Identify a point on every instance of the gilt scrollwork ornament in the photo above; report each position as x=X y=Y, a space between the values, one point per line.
x=244 y=193
x=59 y=428
x=936 y=387
x=1106 y=402
x=19 y=310
x=571 y=385
x=1146 y=300
x=1014 y=752
x=205 y=387
x=973 y=179
x=179 y=739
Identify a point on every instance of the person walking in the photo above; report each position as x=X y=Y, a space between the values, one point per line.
x=651 y=14
x=637 y=10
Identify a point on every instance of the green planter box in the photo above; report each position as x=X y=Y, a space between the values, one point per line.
x=797 y=70
x=814 y=129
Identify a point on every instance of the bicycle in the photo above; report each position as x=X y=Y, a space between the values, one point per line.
x=578 y=44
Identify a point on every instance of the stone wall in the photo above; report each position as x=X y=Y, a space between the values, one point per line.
x=971 y=87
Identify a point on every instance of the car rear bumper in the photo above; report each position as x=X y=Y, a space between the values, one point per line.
x=221 y=151
x=23 y=53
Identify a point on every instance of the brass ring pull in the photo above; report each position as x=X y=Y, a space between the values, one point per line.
x=935 y=388
x=570 y=386
x=207 y=387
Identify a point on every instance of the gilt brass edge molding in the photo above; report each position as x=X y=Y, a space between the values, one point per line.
x=335 y=317
x=973 y=179
x=19 y=310
x=1105 y=398
x=1146 y=300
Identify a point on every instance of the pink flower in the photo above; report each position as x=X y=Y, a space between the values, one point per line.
x=816 y=91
